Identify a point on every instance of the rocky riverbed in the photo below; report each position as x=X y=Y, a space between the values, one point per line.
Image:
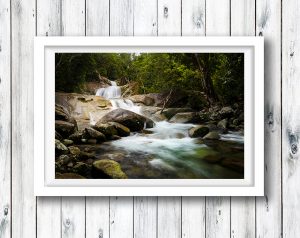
x=110 y=136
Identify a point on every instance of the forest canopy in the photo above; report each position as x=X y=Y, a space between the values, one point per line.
x=220 y=76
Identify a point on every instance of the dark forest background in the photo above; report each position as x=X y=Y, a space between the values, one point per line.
x=220 y=76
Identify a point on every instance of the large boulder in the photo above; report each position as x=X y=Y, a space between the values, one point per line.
x=64 y=128
x=184 y=117
x=108 y=169
x=90 y=133
x=105 y=128
x=133 y=121
x=198 y=131
x=223 y=124
x=60 y=148
x=213 y=135
x=142 y=98
x=76 y=136
x=121 y=130
x=170 y=112
x=61 y=113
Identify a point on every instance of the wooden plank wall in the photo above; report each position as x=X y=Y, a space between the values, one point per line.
x=274 y=215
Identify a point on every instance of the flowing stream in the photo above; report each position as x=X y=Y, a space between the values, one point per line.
x=167 y=151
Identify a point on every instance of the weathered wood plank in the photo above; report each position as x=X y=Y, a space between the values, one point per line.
x=23 y=200
x=73 y=208
x=218 y=208
x=193 y=217
x=97 y=217
x=73 y=17
x=268 y=208
x=145 y=217
x=169 y=17
x=145 y=208
x=97 y=18
x=48 y=208
x=218 y=17
x=145 y=17
x=5 y=120
x=242 y=208
x=193 y=208
x=121 y=217
x=121 y=17
x=73 y=217
x=169 y=217
x=193 y=18
x=290 y=118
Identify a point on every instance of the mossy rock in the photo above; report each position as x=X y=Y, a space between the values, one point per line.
x=108 y=169
x=213 y=135
x=60 y=148
x=74 y=150
x=198 y=131
x=121 y=129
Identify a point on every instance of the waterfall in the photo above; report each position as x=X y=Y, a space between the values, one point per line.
x=113 y=94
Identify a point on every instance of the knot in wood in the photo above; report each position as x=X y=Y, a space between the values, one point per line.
x=166 y=10
x=294 y=148
x=5 y=210
x=68 y=222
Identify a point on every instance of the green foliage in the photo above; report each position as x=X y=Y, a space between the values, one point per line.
x=217 y=75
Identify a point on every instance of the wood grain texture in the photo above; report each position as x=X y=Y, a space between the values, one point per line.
x=242 y=208
x=73 y=217
x=145 y=217
x=5 y=121
x=145 y=17
x=73 y=17
x=121 y=217
x=193 y=217
x=169 y=17
x=97 y=217
x=121 y=17
x=193 y=18
x=290 y=118
x=169 y=217
x=97 y=18
x=218 y=208
x=23 y=200
x=48 y=220
x=268 y=208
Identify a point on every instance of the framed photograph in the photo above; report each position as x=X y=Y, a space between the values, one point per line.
x=149 y=116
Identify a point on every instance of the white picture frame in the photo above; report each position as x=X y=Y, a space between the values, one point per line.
x=45 y=183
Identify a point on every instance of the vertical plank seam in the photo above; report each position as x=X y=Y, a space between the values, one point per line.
x=109 y=217
x=11 y=109
x=36 y=207
x=255 y=200
x=133 y=205
x=281 y=133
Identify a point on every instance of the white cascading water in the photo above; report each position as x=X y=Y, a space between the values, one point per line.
x=113 y=94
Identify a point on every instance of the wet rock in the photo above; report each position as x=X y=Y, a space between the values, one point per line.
x=74 y=150
x=234 y=163
x=142 y=98
x=223 y=124
x=184 y=117
x=170 y=112
x=213 y=135
x=115 y=137
x=226 y=112
x=90 y=133
x=86 y=155
x=67 y=142
x=68 y=176
x=121 y=130
x=76 y=137
x=81 y=168
x=63 y=160
x=133 y=121
x=58 y=136
x=107 y=129
x=108 y=169
x=60 y=148
x=64 y=128
x=61 y=113
x=198 y=131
